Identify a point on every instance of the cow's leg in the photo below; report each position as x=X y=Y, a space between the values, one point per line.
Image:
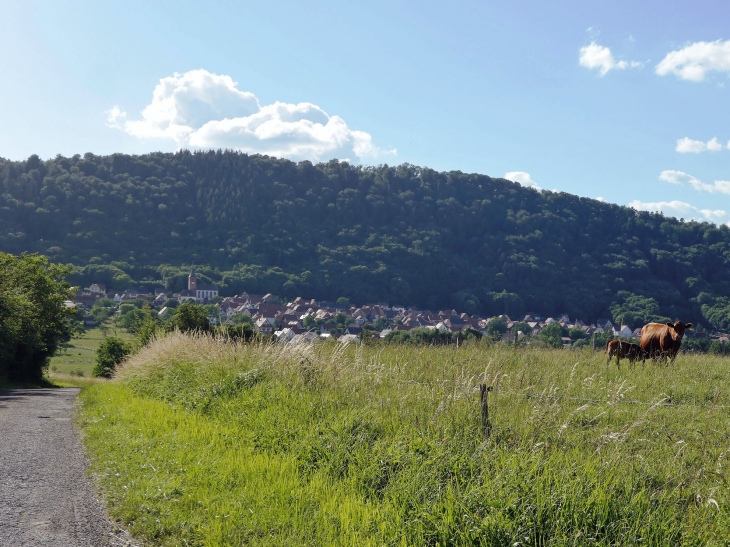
x=618 y=361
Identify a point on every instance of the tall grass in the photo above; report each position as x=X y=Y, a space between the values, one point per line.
x=203 y=441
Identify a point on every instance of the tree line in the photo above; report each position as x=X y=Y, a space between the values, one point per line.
x=402 y=234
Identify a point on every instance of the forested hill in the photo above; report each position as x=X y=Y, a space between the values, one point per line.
x=403 y=235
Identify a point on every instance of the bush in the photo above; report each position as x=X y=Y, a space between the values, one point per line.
x=33 y=318
x=189 y=317
x=111 y=352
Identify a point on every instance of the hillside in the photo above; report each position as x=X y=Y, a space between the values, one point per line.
x=402 y=234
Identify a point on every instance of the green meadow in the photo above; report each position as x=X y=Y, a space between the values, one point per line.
x=79 y=353
x=200 y=441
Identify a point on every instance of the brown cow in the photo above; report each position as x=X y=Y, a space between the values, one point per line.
x=663 y=340
x=623 y=350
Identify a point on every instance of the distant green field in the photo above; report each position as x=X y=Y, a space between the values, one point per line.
x=80 y=352
x=202 y=442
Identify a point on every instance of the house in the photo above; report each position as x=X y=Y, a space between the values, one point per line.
x=98 y=288
x=353 y=330
x=623 y=331
x=349 y=338
x=284 y=335
x=187 y=294
x=264 y=326
x=89 y=321
x=604 y=324
x=304 y=338
x=566 y=341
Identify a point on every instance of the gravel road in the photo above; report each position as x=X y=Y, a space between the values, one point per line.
x=45 y=496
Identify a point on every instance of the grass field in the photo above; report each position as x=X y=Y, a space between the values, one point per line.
x=79 y=354
x=202 y=442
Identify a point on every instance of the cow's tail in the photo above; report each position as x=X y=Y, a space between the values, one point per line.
x=607 y=344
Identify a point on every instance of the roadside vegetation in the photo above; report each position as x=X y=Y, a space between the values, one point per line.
x=33 y=317
x=202 y=441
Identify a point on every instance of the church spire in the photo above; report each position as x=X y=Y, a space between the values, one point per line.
x=192 y=281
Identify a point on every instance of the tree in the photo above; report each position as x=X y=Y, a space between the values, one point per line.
x=309 y=323
x=33 y=317
x=111 y=352
x=496 y=327
x=552 y=335
x=189 y=317
x=576 y=333
x=344 y=301
x=380 y=324
x=522 y=327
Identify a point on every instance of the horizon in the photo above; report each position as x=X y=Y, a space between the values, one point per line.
x=612 y=102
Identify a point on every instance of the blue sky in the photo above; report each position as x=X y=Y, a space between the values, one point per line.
x=592 y=98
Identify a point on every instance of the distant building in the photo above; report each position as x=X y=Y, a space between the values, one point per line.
x=201 y=293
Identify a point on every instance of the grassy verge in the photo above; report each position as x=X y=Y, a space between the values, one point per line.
x=207 y=443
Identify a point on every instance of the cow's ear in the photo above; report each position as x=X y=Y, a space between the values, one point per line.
x=688 y=325
x=670 y=325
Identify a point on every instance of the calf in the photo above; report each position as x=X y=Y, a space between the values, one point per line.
x=624 y=350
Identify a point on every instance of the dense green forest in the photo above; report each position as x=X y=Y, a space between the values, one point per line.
x=404 y=235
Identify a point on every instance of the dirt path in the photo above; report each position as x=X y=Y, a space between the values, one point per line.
x=45 y=496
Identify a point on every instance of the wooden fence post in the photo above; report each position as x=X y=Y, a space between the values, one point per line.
x=594 y=342
x=483 y=392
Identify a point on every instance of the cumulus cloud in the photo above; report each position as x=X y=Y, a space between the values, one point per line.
x=683 y=179
x=522 y=178
x=599 y=198
x=600 y=57
x=680 y=209
x=694 y=61
x=687 y=145
x=114 y=117
x=200 y=109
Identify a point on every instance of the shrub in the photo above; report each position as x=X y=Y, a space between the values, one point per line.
x=111 y=352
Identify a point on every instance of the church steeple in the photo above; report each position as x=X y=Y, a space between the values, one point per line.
x=192 y=280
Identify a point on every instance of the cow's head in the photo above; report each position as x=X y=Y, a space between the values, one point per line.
x=678 y=329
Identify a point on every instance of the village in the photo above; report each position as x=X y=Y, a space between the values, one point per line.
x=307 y=320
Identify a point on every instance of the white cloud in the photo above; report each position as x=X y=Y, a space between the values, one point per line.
x=200 y=109
x=714 y=145
x=595 y=56
x=694 y=61
x=683 y=179
x=687 y=145
x=599 y=198
x=114 y=116
x=680 y=209
x=522 y=178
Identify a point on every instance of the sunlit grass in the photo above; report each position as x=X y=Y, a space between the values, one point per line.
x=79 y=354
x=206 y=442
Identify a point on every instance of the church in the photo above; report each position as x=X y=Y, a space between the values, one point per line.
x=199 y=293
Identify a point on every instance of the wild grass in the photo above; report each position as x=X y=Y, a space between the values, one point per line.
x=205 y=442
